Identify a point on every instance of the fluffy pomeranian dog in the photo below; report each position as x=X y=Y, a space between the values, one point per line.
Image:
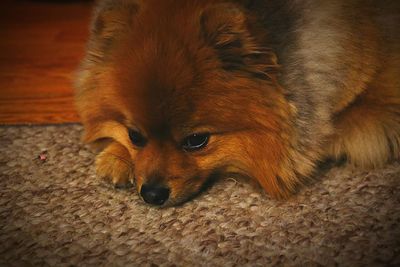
x=176 y=93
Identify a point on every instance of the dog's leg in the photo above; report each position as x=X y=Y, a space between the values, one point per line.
x=368 y=131
x=114 y=164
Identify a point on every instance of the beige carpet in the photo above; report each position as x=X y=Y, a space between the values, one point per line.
x=56 y=213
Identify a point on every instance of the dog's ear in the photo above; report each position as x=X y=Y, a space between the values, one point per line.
x=233 y=34
x=110 y=19
x=224 y=25
x=111 y=16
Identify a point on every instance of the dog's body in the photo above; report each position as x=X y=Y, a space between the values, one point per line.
x=177 y=93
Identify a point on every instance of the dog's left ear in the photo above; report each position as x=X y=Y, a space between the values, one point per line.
x=239 y=45
x=224 y=25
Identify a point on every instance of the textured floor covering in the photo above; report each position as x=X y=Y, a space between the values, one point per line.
x=57 y=213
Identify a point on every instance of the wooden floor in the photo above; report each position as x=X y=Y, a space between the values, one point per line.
x=41 y=45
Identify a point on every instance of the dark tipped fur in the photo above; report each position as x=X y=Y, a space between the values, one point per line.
x=279 y=85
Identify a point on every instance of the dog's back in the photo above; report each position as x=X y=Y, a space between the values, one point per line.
x=340 y=66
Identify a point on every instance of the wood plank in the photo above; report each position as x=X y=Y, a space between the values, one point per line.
x=42 y=44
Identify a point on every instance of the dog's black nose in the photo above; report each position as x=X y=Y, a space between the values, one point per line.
x=154 y=194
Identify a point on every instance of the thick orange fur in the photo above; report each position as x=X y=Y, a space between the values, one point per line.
x=277 y=94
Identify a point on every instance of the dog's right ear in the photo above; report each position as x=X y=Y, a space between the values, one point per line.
x=110 y=18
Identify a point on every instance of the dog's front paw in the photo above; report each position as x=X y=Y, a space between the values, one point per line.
x=113 y=165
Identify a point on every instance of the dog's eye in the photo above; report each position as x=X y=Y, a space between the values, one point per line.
x=195 y=141
x=137 y=138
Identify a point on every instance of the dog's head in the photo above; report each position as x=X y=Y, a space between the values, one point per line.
x=188 y=87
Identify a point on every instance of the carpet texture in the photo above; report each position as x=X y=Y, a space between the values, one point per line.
x=54 y=212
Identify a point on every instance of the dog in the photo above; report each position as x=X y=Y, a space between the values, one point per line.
x=177 y=93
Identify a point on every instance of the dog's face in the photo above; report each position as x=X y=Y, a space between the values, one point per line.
x=187 y=89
